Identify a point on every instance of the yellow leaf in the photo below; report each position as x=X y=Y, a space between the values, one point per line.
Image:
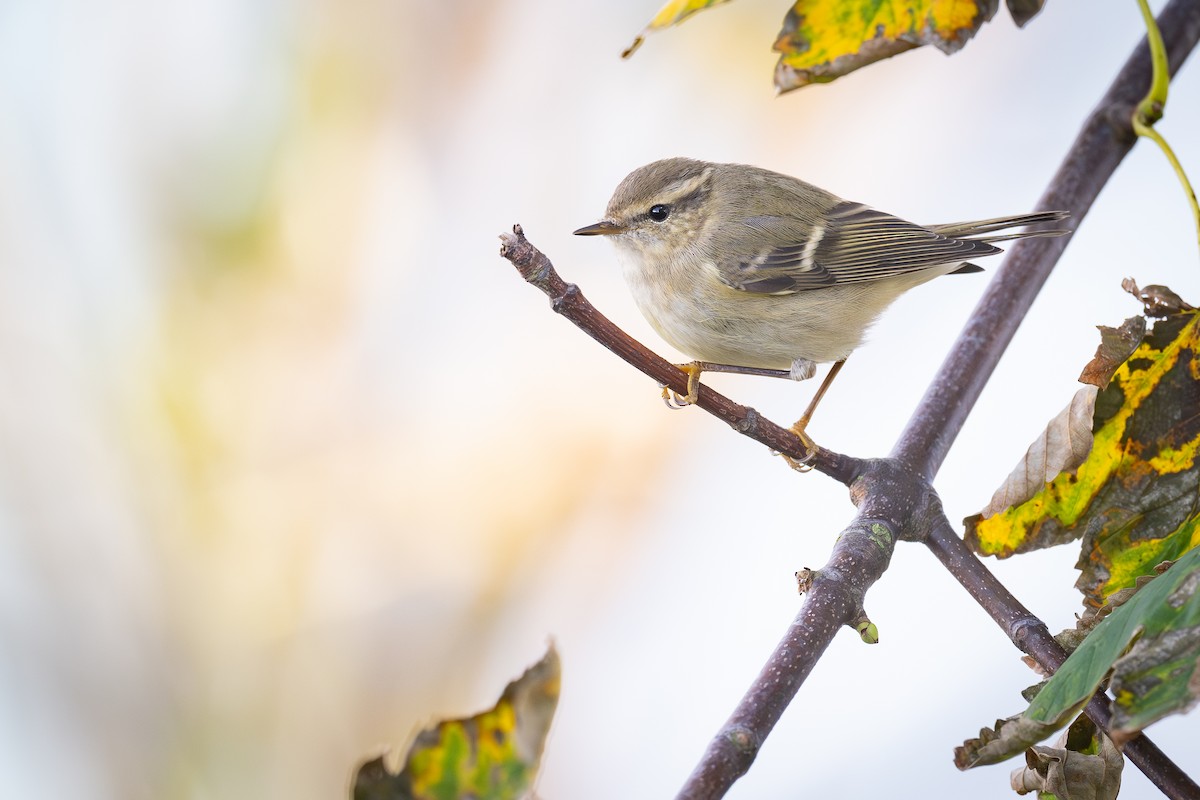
x=673 y=13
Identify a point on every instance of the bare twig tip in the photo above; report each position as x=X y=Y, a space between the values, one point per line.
x=508 y=241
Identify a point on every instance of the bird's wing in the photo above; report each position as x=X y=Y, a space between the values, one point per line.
x=853 y=244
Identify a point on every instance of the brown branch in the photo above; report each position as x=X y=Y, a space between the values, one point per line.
x=836 y=595
x=889 y=509
x=566 y=299
x=894 y=497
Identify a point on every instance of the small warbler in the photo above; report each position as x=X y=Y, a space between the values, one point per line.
x=756 y=272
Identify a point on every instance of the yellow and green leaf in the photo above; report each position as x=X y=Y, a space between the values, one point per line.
x=1135 y=500
x=821 y=40
x=494 y=754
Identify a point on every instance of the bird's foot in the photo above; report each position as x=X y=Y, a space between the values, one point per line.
x=810 y=447
x=676 y=401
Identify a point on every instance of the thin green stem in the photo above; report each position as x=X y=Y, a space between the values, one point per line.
x=1150 y=109
x=1143 y=129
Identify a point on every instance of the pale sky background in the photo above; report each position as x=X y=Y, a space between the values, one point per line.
x=291 y=462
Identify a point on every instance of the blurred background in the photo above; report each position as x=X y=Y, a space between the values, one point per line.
x=291 y=462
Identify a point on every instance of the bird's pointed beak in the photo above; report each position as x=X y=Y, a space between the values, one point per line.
x=604 y=227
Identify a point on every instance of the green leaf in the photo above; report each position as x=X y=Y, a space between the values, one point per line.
x=494 y=754
x=822 y=40
x=1157 y=677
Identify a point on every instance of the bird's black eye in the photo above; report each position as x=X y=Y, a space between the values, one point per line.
x=659 y=212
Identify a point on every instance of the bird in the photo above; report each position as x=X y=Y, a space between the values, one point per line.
x=752 y=271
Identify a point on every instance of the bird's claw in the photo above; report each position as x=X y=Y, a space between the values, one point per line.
x=674 y=399
x=810 y=447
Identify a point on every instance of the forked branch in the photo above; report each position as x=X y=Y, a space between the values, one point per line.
x=894 y=497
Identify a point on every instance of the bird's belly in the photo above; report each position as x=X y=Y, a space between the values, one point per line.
x=685 y=300
x=749 y=330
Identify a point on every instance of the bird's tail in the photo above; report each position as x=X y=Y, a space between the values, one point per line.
x=975 y=231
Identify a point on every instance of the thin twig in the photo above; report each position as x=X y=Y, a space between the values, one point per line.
x=566 y=299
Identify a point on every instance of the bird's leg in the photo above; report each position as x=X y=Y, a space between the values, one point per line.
x=806 y=417
x=695 y=368
x=801 y=464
